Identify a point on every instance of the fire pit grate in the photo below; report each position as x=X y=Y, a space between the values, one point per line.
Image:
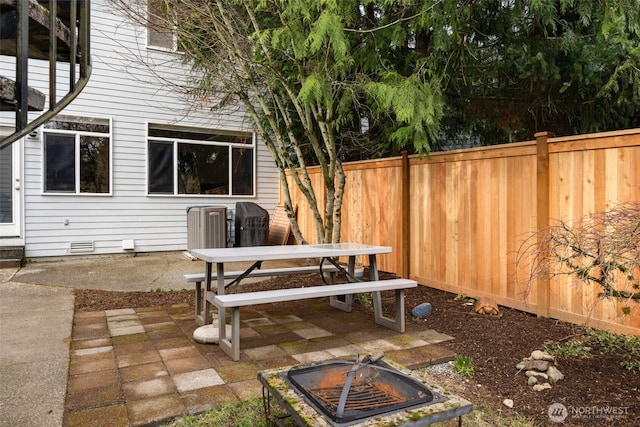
x=346 y=391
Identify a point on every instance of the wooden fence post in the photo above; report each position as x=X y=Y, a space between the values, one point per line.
x=542 y=212
x=406 y=232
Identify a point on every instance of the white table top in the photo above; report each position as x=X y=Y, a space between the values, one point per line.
x=264 y=253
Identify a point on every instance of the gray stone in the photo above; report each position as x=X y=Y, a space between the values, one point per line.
x=540 y=387
x=536 y=355
x=422 y=310
x=508 y=403
x=537 y=365
x=541 y=355
x=537 y=374
x=554 y=374
x=532 y=381
x=520 y=366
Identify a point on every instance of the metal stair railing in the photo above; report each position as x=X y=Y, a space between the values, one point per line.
x=75 y=38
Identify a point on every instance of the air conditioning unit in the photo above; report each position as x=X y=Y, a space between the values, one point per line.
x=206 y=227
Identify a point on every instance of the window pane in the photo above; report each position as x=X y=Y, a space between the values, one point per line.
x=160 y=167
x=160 y=38
x=94 y=164
x=157 y=35
x=242 y=171
x=203 y=169
x=60 y=165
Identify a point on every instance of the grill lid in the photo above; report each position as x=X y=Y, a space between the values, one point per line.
x=346 y=391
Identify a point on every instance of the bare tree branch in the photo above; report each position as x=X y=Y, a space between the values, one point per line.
x=602 y=249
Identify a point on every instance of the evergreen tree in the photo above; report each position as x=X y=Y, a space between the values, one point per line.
x=331 y=80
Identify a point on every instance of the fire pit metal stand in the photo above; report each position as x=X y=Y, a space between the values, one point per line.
x=276 y=387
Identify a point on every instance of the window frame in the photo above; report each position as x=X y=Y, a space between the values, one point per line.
x=77 y=134
x=175 y=141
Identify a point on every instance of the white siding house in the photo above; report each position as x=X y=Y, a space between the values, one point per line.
x=121 y=161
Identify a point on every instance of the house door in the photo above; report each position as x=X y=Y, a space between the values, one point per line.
x=10 y=214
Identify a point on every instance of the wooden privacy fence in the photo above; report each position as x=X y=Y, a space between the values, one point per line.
x=456 y=220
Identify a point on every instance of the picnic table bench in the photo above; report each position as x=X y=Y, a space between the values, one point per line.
x=199 y=278
x=231 y=345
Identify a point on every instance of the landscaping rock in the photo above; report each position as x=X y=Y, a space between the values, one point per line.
x=422 y=310
x=537 y=374
x=508 y=403
x=554 y=374
x=537 y=365
x=540 y=370
x=540 y=387
x=541 y=355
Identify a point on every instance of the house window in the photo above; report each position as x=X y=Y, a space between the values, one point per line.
x=194 y=161
x=158 y=35
x=77 y=155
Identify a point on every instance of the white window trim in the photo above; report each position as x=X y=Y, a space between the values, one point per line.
x=77 y=134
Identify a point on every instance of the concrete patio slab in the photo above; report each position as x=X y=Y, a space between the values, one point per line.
x=35 y=332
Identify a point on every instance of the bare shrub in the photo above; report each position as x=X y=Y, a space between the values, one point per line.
x=602 y=249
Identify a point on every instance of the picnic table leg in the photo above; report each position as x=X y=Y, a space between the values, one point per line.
x=222 y=313
x=199 y=316
x=207 y=305
x=231 y=345
x=345 y=302
x=377 y=299
x=396 y=324
x=373 y=268
x=332 y=278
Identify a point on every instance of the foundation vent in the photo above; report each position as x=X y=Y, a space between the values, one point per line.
x=75 y=247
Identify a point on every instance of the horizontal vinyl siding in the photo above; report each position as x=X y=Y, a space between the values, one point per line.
x=132 y=99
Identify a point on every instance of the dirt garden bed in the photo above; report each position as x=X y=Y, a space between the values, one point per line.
x=495 y=345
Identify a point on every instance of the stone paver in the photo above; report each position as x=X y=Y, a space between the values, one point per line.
x=194 y=380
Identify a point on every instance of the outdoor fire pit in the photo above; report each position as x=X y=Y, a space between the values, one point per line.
x=365 y=391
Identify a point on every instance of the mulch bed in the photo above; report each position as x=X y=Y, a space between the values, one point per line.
x=495 y=345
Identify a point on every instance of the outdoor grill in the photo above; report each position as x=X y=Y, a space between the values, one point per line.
x=347 y=391
x=251 y=224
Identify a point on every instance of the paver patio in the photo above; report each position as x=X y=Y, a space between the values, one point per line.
x=142 y=367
